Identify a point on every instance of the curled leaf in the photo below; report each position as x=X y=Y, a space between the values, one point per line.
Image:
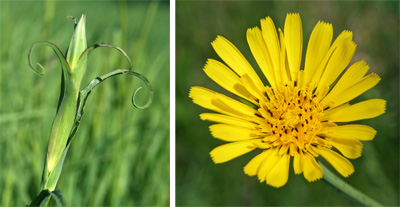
x=92 y=47
x=56 y=50
x=84 y=94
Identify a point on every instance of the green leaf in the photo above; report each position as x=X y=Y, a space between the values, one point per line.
x=86 y=91
x=44 y=198
x=248 y=103
x=64 y=120
x=50 y=182
x=41 y=199
x=84 y=94
x=56 y=50
x=58 y=197
x=92 y=47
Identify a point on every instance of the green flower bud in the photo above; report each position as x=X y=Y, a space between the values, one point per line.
x=77 y=46
x=65 y=117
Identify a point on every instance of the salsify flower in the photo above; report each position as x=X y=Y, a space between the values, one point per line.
x=302 y=114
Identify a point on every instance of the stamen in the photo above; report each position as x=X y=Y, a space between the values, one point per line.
x=285 y=115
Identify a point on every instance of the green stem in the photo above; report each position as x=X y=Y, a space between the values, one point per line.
x=348 y=190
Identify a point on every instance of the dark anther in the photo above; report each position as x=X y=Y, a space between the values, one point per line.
x=298 y=101
x=298 y=93
x=259 y=115
x=273 y=131
x=285 y=131
x=266 y=95
x=300 y=115
x=300 y=107
x=295 y=83
x=327 y=108
x=306 y=121
x=296 y=129
x=311 y=117
x=270 y=113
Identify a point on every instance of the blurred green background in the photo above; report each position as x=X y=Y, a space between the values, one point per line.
x=120 y=155
x=199 y=182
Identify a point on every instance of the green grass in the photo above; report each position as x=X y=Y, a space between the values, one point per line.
x=120 y=155
x=200 y=182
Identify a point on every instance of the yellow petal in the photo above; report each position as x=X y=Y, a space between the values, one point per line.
x=350 y=131
x=341 y=164
x=298 y=162
x=284 y=72
x=338 y=62
x=252 y=87
x=328 y=111
x=357 y=89
x=350 y=148
x=230 y=151
x=232 y=133
x=203 y=97
x=362 y=110
x=279 y=173
x=220 y=103
x=269 y=162
x=260 y=52
x=226 y=78
x=234 y=59
x=233 y=104
x=342 y=37
x=294 y=43
x=301 y=81
x=345 y=35
x=318 y=46
x=271 y=37
x=311 y=169
x=224 y=119
x=353 y=74
x=350 y=77
x=252 y=167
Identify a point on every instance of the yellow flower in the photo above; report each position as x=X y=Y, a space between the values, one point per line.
x=301 y=114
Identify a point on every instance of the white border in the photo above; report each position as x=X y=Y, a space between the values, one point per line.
x=172 y=105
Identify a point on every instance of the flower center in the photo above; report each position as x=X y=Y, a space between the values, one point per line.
x=292 y=117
